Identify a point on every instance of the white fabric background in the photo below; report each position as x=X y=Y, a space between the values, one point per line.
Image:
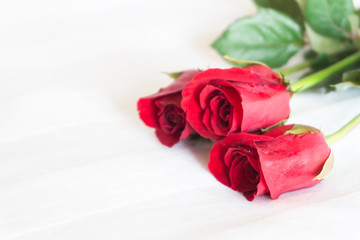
x=77 y=163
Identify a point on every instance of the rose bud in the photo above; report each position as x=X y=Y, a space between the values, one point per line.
x=221 y=101
x=163 y=112
x=285 y=158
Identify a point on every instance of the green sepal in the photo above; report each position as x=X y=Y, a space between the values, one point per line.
x=174 y=75
x=243 y=63
x=300 y=130
x=289 y=7
x=281 y=123
x=327 y=167
x=286 y=82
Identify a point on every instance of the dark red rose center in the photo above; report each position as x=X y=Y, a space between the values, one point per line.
x=242 y=174
x=224 y=112
x=218 y=113
x=171 y=119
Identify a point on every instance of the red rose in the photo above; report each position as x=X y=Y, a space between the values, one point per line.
x=163 y=112
x=221 y=101
x=285 y=158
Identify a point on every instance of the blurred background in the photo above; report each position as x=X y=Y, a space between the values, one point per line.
x=107 y=44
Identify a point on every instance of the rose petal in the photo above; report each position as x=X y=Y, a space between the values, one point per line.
x=167 y=139
x=291 y=162
x=252 y=156
x=231 y=74
x=177 y=85
x=188 y=130
x=260 y=111
x=207 y=119
x=216 y=164
x=239 y=176
x=265 y=72
x=219 y=127
x=212 y=96
x=278 y=131
x=221 y=161
x=148 y=112
x=149 y=107
x=207 y=94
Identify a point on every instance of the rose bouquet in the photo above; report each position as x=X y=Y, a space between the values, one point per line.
x=244 y=108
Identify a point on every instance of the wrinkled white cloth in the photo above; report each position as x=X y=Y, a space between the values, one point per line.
x=77 y=163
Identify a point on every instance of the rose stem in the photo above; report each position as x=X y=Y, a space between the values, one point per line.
x=339 y=134
x=313 y=79
x=298 y=67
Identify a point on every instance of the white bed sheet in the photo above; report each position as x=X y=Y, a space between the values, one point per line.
x=77 y=163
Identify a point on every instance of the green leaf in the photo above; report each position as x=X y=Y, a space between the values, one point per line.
x=354 y=20
x=289 y=7
x=323 y=44
x=302 y=4
x=350 y=79
x=355 y=27
x=329 y=17
x=269 y=37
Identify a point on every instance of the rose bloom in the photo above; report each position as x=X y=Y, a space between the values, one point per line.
x=283 y=159
x=163 y=112
x=221 y=101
